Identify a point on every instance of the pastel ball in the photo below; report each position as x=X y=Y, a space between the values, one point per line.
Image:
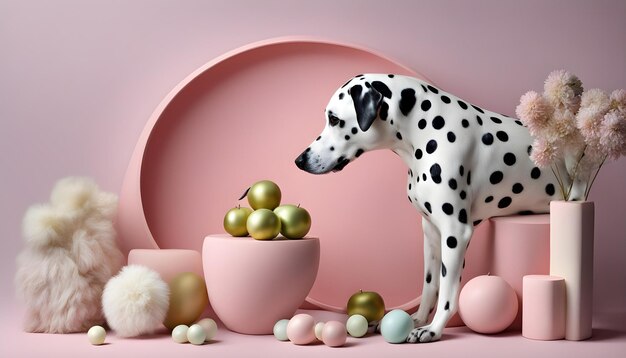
x=210 y=327
x=301 y=329
x=334 y=334
x=96 y=335
x=488 y=304
x=280 y=330
x=357 y=325
x=319 y=327
x=396 y=326
x=196 y=334
x=179 y=333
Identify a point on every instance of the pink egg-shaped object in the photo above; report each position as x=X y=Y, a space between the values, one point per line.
x=301 y=329
x=488 y=304
x=334 y=334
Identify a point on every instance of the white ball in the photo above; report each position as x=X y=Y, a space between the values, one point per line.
x=196 y=334
x=357 y=326
x=135 y=301
x=210 y=327
x=280 y=330
x=319 y=327
x=96 y=335
x=179 y=333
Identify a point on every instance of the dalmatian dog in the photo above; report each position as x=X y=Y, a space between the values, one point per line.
x=466 y=164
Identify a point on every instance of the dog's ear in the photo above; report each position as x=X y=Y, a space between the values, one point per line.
x=366 y=105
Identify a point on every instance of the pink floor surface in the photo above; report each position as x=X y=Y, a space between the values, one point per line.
x=609 y=340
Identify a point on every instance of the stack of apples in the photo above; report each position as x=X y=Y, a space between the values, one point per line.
x=267 y=218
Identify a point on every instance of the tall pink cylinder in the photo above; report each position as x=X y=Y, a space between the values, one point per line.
x=521 y=247
x=543 y=316
x=571 y=257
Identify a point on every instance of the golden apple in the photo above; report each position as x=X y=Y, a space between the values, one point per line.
x=188 y=299
x=264 y=194
x=295 y=222
x=263 y=224
x=235 y=221
x=368 y=304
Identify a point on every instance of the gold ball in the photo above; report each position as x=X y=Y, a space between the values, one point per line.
x=235 y=221
x=368 y=304
x=295 y=222
x=263 y=224
x=188 y=299
x=264 y=194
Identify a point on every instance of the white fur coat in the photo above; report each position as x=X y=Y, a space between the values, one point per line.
x=70 y=253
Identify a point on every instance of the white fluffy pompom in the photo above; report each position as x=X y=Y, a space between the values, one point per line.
x=135 y=301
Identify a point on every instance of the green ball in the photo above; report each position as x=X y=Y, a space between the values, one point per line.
x=295 y=221
x=264 y=194
x=263 y=224
x=235 y=221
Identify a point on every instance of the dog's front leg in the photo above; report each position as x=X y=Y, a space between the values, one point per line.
x=432 y=268
x=454 y=239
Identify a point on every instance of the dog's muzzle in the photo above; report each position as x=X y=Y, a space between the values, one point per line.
x=341 y=163
x=302 y=161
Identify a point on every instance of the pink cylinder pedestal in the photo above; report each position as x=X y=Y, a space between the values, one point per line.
x=571 y=257
x=521 y=246
x=543 y=316
x=167 y=262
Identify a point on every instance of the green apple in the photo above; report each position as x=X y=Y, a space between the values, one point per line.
x=235 y=221
x=263 y=224
x=264 y=194
x=368 y=304
x=295 y=221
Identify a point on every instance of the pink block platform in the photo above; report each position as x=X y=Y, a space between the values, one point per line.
x=544 y=307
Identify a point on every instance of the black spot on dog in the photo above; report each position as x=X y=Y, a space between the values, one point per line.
x=418 y=154
x=444 y=271
x=447 y=208
x=384 y=111
x=354 y=130
x=425 y=106
x=478 y=109
x=435 y=173
x=487 y=139
x=438 y=122
x=382 y=88
x=504 y=202
x=479 y=120
x=390 y=76
x=431 y=146
x=424 y=88
x=496 y=120
x=424 y=176
x=429 y=277
x=407 y=100
x=445 y=99
x=345 y=84
x=469 y=177
x=342 y=123
x=359 y=76
x=462 y=104
x=496 y=177
x=502 y=136
x=318 y=138
x=399 y=135
x=346 y=137
x=535 y=173
x=463 y=216
x=529 y=149
x=489 y=199
x=427 y=206
x=409 y=186
x=422 y=123
x=451 y=137
x=519 y=123
x=341 y=95
x=550 y=189
x=409 y=198
x=359 y=152
x=465 y=123
x=509 y=159
x=367 y=84
x=432 y=89
x=461 y=170
x=525 y=212
x=447 y=307
x=452 y=184
x=391 y=122
x=462 y=194
x=517 y=188
x=332 y=148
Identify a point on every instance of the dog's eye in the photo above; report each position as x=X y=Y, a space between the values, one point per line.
x=333 y=120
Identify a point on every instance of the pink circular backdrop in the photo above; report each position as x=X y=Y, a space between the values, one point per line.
x=245 y=117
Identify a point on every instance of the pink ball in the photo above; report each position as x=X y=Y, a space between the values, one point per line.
x=334 y=334
x=488 y=304
x=301 y=329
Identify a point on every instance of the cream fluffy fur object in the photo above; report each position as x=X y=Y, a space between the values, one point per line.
x=135 y=301
x=70 y=253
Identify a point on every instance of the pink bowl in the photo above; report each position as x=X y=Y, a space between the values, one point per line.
x=252 y=284
x=168 y=263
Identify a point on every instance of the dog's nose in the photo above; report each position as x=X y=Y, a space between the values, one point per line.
x=301 y=161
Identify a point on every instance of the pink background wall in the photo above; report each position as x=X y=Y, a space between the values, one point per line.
x=78 y=80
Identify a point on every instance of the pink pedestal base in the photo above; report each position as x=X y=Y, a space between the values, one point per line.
x=544 y=307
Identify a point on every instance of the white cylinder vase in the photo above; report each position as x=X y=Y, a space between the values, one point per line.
x=571 y=257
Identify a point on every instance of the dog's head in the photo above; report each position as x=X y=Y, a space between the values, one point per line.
x=350 y=126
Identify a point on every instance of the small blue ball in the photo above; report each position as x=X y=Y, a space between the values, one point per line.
x=396 y=326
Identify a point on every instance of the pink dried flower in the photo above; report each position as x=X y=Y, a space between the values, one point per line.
x=594 y=105
x=613 y=134
x=544 y=153
x=534 y=111
x=563 y=90
x=618 y=100
x=561 y=127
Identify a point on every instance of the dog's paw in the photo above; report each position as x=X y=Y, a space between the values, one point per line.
x=417 y=321
x=422 y=335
